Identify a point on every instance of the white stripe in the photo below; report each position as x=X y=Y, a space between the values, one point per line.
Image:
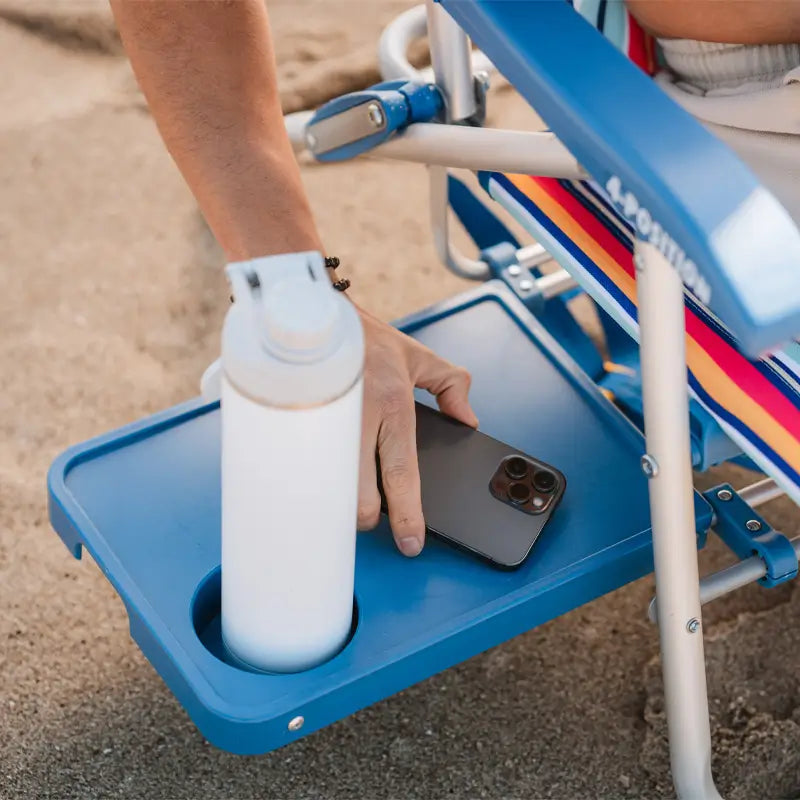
x=618 y=313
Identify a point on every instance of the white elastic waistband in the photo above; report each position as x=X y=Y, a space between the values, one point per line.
x=722 y=69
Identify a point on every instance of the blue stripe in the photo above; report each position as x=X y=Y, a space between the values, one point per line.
x=601 y=198
x=606 y=220
x=601 y=16
x=734 y=422
x=584 y=260
x=626 y=306
x=762 y=365
x=774 y=377
x=794 y=376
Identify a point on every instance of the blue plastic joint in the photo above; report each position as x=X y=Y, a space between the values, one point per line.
x=386 y=108
x=748 y=534
x=503 y=263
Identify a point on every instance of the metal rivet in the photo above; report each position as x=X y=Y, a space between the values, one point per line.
x=514 y=270
x=525 y=285
x=753 y=525
x=693 y=625
x=296 y=723
x=375 y=114
x=482 y=76
x=649 y=466
x=724 y=495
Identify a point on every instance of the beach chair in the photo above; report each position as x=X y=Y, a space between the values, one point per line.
x=695 y=269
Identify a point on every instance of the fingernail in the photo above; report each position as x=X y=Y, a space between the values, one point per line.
x=410 y=546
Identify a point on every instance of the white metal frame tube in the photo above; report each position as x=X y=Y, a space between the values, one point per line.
x=451 y=56
x=395 y=40
x=556 y=283
x=466 y=147
x=717 y=584
x=761 y=492
x=397 y=37
x=490 y=149
x=728 y=580
x=666 y=417
x=470 y=268
x=452 y=68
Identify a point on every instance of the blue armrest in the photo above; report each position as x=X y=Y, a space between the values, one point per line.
x=737 y=247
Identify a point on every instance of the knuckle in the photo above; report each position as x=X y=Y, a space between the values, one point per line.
x=463 y=377
x=393 y=400
x=397 y=477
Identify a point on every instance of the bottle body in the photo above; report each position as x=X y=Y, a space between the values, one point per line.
x=289 y=499
x=291 y=393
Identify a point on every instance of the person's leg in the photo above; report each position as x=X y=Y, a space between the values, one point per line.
x=735 y=21
x=735 y=65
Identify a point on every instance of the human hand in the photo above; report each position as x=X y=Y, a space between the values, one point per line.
x=394 y=364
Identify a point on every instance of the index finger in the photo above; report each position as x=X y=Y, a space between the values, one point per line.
x=397 y=449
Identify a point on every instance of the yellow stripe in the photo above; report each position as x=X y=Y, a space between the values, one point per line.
x=723 y=389
x=732 y=397
x=561 y=217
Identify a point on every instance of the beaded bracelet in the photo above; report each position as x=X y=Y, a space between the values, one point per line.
x=342 y=284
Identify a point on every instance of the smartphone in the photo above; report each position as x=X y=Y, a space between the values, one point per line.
x=480 y=494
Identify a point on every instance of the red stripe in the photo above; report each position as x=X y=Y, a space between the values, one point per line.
x=743 y=373
x=735 y=366
x=590 y=221
x=640 y=47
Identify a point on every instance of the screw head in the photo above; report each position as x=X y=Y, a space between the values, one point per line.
x=724 y=495
x=649 y=466
x=753 y=525
x=296 y=723
x=514 y=270
x=482 y=76
x=375 y=113
x=693 y=625
x=525 y=285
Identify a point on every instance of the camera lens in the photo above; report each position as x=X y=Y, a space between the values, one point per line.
x=544 y=481
x=519 y=493
x=516 y=468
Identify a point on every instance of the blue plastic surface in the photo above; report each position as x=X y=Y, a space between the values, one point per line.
x=145 y=502
x=710 y=444
x=658 y=164
x=494 y=239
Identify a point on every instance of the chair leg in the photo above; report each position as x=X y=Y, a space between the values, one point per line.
x=668 y=463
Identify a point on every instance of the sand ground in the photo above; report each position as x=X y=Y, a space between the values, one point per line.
x=111 y=306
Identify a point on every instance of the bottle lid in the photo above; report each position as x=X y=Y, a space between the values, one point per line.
x=290 y=339
x=300 y=319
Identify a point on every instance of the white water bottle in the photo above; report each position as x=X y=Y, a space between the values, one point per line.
x=292 y=364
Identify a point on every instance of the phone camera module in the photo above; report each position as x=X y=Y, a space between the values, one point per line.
x=516 y=468
x=544 y=481
x=519 y=493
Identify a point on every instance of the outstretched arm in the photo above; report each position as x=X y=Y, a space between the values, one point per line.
x=208 y=72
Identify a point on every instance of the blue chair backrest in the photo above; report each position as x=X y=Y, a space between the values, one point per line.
x=735 y=246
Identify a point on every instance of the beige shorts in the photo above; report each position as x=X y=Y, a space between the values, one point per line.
x=750 y=98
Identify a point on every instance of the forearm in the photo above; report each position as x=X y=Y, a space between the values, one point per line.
x=207 y=70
